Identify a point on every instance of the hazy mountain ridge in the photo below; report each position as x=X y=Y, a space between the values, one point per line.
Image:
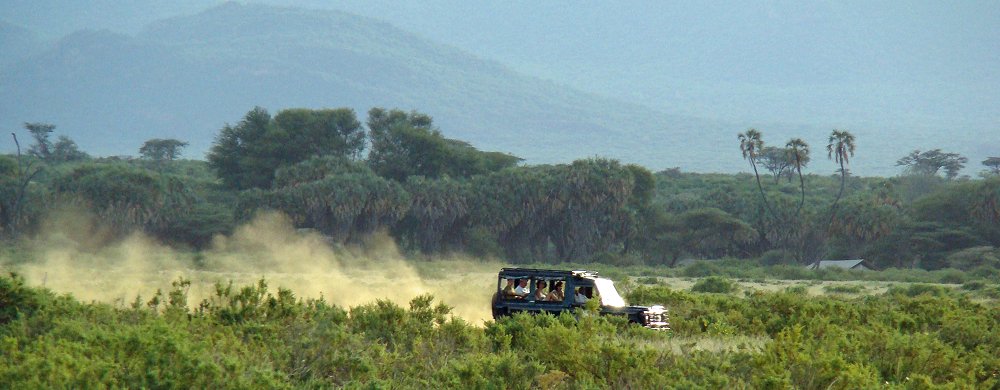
x=184 y=77
x=17 y=43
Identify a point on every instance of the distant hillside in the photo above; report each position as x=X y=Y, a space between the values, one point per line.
x=16 y=43
x=900 y=75
x=185 y=77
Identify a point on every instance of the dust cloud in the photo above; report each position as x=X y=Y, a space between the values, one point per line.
x=76 y=256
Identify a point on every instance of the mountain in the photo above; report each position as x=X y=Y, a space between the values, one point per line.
x=16 y=43
x=185 y=77
x=664 y=84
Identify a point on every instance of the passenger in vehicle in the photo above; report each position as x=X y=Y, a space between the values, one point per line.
x=522 y=288
x=581 y=295
x=540 y=290
x=555 y=292
x=508 y=291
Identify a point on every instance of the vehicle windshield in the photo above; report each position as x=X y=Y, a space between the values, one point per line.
x=609 y=296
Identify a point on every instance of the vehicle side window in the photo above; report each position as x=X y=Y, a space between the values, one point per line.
x=515 y=288
x=556 y=291
x=582 y=294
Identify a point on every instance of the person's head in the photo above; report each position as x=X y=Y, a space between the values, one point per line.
x=558 y=285
x=540 y=284
x=522 y=282
x=510 y=282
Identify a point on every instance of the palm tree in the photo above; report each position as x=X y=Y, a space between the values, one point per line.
x=799 y=151
x=840 y=147
x=751 y=144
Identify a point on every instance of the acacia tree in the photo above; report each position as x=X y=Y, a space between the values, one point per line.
x=42 y=148
x=15 y=179
x=777 y=161
x=160 y=150
x=751 y=145
x=840 y=147
x=993 y=163
x=799 y=152
x=932 y=161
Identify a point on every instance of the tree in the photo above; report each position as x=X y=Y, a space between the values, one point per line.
x=840 y=148
x=751 y=145
x=42 y=148
x=247 y=155
x=799 y=151
x=439 y=209
x=929 y=163
x=239 y=156
x=125 y=198
x=161 y=150
x=993 y=163
x=714 y=233
x=308 y=133
x=405 y=145
x=347 y=206
x=662 y=238
x=776 y=160
x=65 y=150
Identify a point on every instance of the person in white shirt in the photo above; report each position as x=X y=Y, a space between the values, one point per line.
x=580 y=297
x=522 y=288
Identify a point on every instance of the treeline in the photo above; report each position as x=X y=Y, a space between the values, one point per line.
x=397 y=173
x=250 y=337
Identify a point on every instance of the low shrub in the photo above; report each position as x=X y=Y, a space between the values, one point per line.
x=714 y=284
x=973 y=285
x=844 y=288
x=701 y=269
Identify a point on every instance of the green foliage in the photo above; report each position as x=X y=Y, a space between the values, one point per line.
x=247 y=155
x=250 y=337
x=844 y=288
x=161 y=150
x=407 y=144
x=701 y=269
x=123 y=197
x=345 y=206
x=929 y=163
x=714 y=284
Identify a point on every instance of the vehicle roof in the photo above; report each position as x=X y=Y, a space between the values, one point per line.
x=514 y=271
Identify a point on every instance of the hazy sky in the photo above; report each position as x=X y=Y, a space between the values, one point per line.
x=875 y=67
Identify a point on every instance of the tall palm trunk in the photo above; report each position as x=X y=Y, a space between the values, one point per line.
x=843 y=180
x=761 y=189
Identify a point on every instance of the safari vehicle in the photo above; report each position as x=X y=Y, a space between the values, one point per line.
x=555 y=291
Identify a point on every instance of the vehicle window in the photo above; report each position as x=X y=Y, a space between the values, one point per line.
x=538 y=289
x=514 y=288
x=556 y=291
x=582 y=294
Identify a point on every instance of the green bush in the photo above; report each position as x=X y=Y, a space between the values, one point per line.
x=714 y=284
x=775 y=257
x=974 y=285
x=951 y=276
x=701 y=269
x=249 y=337
x=844 y=289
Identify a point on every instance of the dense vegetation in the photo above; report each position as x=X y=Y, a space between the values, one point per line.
x=915 y=337
x=329 y=172
x=397 y=173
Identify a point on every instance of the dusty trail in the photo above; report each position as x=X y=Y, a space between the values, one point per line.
x=68 y=261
